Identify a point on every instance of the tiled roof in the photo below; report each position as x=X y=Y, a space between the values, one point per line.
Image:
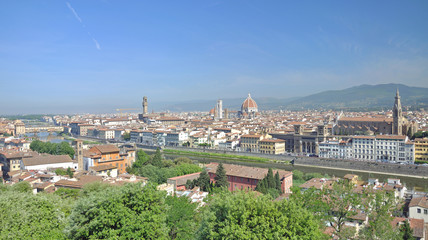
x=419 y=202
x=246 y=172
x=46 y=159
x=106 y=148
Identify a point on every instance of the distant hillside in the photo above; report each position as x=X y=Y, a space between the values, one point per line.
x=363 y=97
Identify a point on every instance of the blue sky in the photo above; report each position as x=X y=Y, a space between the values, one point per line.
x=95 y=56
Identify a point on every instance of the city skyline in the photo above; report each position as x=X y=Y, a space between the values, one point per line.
x=79 y=56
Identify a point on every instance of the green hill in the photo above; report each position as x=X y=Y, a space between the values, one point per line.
x=364 y=97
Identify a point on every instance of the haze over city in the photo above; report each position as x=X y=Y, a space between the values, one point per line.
x=95 y=56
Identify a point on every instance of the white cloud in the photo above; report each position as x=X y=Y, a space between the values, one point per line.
x=74 y=12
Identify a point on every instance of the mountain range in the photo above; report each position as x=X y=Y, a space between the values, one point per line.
x=363 y=97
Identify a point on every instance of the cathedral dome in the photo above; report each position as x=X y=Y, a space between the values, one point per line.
x=249 y=105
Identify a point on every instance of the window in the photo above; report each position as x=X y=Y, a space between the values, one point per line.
x=419 y=210
x=425 y=211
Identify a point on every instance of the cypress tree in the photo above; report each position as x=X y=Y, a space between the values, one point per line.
x=278 y=181
x=270 y=179
x=204 y=181
x=406 y=231
x=220 y=177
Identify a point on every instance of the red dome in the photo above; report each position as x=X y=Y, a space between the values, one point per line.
x=249 y=103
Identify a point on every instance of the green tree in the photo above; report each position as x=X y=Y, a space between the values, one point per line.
x=278 y=182
x=220 y=177
x=157 y=159
x=70 y=173
x=127 y=212
x=22 y=187
x=380 y=207
x=242 y=215
x=126 y=136
x=181 y=218
x=406 y=231
x=62 y=148
x=204 y=181
x=24 y=215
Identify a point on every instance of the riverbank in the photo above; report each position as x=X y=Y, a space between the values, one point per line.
x=216 y=155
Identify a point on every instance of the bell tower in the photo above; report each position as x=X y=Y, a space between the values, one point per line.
x=397 y=115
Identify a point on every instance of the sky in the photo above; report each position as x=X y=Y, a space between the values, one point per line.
x=95 y=56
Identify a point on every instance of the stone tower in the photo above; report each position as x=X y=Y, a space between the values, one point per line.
x=79 y=155
x=219 y=108
x=145 y=106
x=397 y=115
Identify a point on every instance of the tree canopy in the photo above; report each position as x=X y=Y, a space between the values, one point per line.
x=62 y=148
x=243 y=215
x=220 y=177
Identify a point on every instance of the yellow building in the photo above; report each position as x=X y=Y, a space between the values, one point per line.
x=250 y=143
x=272 y=146
x=421 y=149
x=19 y=128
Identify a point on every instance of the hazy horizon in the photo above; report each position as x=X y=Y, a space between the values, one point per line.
x=95 y=56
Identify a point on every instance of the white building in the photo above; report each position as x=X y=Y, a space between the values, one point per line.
x=390 y=148
x=147 y=138
x=176 y=138
x=136 y=136
x=44 y=162
x=418 y=208
x=338 y=149
x=106 y=133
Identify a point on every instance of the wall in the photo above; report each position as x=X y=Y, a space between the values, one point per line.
x=411 y=170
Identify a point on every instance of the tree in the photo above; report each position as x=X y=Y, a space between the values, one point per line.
x=181 y=218
x=157 y=159
x=278 y=182
x=62 y=148
x=126 y=136
x=243 y=215
x=127 y=212
x=24 y=215
x=22 y=187
x=406 y=231
x=220 y=177
x=69 y=172
x=379 y=206
x=204 y=181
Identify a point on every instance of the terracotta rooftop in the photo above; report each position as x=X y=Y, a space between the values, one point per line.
x=46 y=159
x=419 y=202
x=365 y=119
x=417 y=225
x=105 y=148
x=246 y=172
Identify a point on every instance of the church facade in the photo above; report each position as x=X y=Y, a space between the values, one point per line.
x=397 y=125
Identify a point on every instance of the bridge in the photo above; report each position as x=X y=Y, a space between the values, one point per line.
x=44 y=129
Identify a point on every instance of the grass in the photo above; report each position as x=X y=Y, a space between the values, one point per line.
x=216 y=155
x=420 y=161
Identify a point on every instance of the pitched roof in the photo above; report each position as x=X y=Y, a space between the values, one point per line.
x=246 y=172
x=419 y=202
x=106 y=148
x=46 y=159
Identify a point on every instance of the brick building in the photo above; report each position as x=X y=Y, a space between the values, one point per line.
x=243 y=177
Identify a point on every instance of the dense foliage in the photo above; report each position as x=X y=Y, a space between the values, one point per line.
x=220 y=177
x=24 y=215
x=159 y=170
x=420 y=134
x=270 y=184
x=62 y=148
x=242 y=215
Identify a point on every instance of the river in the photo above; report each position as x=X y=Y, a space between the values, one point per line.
x=416 y=184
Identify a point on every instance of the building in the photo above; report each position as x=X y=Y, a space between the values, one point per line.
x=180 y=181
x=109 y=155
x=339 y=149
x=250 y=142
x=246 y=178
x=19 y=128
x=397 y=125
x=176 y=138
x=44 y=162
x=219 y=110
x=11 y=160
x=249 y=108
x=418 y=208
x=136 y=136
x=421 y=149
x=304 y=141
x=272 y=146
